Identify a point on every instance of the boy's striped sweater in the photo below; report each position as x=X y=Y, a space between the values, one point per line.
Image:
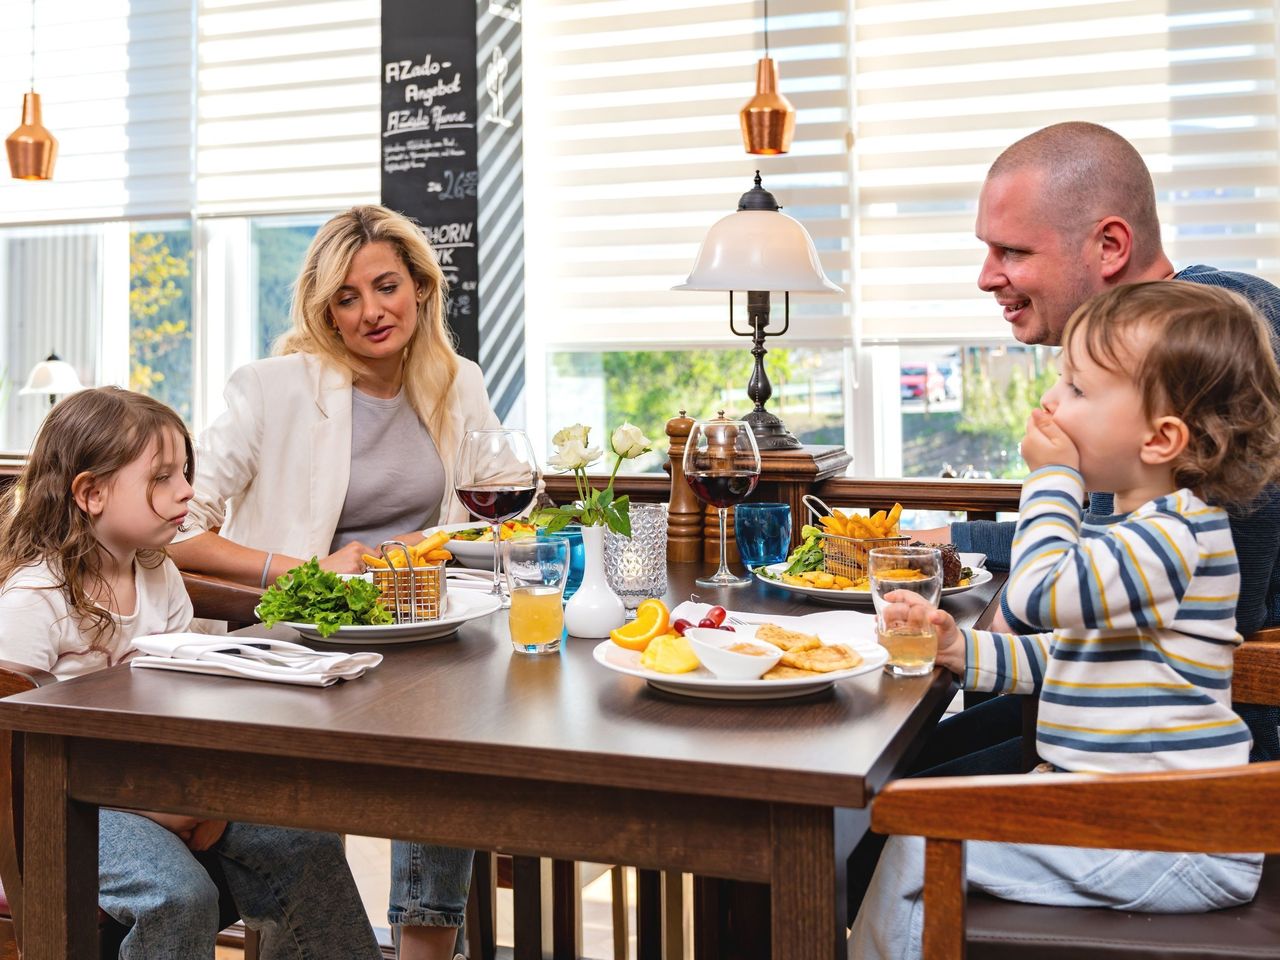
x=1136 y=674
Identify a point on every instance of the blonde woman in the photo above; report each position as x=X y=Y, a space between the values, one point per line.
x=347 y=437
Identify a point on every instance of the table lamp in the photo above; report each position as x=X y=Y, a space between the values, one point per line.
x=53 y=376
x=760 y=249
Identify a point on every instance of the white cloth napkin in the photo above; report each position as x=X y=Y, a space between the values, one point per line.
x=250 y=657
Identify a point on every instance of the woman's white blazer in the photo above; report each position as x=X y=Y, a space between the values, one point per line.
x=272 y=471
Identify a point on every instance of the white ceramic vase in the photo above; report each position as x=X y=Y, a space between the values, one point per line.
x=595 y=609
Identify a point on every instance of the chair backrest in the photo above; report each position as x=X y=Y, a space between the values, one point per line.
x=14 y=678
x=216 y=599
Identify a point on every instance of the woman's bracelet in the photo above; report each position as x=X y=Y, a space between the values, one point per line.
x=266 y=570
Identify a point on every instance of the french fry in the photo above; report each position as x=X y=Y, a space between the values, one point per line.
x=433 y=542
x=438 y=555
x=876 y=522
x=892 y=519
x=376 y=562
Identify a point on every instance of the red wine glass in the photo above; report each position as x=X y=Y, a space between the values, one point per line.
x=496 y=478
x=722 y=465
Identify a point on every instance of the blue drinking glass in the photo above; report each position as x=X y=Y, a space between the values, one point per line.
x=577 y=556
x=763 y=531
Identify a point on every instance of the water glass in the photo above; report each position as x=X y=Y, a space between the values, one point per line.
x=577 y=556
x=637 y=565
x=905 y=630
x=763 y=531
x=536 y=571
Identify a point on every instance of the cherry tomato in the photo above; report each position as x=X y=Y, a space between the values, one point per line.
x=716 y=615
x=727 y=626
x=680 y=626
x=707 y=623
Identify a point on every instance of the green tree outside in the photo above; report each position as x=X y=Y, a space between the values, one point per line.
x=160 y=317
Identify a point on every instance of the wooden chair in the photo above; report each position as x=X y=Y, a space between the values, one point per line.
x=1225 y=810
x=15 y=678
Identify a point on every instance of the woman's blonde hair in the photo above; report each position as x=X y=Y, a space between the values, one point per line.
x=1208 y=359
x=95 y=432
x=430 y=361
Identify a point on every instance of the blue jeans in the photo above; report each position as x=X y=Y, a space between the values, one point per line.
x=293 y=886
x=891 y=921
x=429 y=885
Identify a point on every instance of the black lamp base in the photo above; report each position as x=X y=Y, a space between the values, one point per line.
x=770 y=432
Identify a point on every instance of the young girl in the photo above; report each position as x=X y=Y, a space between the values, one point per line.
x=82 y=562
x=1170 y=396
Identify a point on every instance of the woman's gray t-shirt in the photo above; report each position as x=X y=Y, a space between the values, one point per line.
x=397 y=477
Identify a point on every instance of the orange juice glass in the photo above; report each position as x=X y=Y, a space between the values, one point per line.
x=536 y=571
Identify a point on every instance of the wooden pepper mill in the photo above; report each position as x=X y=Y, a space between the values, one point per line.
x=684 y=514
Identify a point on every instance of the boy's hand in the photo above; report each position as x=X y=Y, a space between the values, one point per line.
x=906 y=607
x=206 y=834
x=1045 y=443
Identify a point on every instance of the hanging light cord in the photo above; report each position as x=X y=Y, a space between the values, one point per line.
x=33 y=42
x=33 y=45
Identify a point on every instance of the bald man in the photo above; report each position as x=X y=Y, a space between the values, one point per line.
x=1066 y=213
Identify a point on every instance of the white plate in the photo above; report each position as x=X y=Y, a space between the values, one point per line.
x=703 y=683
x=464 y=605
x=470 y=553
x=980 y=576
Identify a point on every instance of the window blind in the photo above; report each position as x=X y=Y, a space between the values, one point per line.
x=114 y=78
x=944 y=85
x=632 y=151
x=288 y=105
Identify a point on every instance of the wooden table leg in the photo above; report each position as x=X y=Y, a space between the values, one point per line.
x=565 y=922
x=61 y=859
x=526 y=895
x=806 y=924
x=648 y=915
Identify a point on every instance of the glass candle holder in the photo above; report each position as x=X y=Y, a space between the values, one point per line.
x=637 y=565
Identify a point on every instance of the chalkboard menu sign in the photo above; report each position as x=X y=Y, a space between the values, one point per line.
x=429 y=141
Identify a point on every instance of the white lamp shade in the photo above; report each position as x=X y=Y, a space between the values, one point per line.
x=758 y=250
x=52 y=377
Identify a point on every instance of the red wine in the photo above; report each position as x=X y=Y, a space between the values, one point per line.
x=496 y=503
x=723 y=489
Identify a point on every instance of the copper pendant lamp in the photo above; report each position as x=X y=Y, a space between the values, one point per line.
x=768 y=120
x=32 y=149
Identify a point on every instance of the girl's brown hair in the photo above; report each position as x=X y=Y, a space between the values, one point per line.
x=96 y=432
x=1206 y=357
x=430 y=361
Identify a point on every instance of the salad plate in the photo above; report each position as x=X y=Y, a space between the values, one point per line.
x=703 y=683
x=477 y=554
x=772 y=575
x=464 y=605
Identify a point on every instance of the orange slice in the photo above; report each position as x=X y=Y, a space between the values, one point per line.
x=651 y=621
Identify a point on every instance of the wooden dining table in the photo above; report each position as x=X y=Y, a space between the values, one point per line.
x=466 y=743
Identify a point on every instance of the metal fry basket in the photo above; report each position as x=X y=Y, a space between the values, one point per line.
x=846 y=556
x=411 y=594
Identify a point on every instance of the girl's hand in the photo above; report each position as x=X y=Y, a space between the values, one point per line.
x=1045 y=443
x=206 y=834
x=346 y=560
x=908 y=608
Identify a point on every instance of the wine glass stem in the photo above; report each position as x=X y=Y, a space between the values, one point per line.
x=497 y=559
x=724 y=545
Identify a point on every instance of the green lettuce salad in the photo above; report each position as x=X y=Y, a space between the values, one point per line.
x=307 y=594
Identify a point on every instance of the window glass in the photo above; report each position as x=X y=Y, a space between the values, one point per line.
x=278 y=251
x=647 y=388
x=160 y=352
x=964 y=407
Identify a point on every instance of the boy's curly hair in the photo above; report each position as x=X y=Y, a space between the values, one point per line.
x=97 y=432
x=1209 y=360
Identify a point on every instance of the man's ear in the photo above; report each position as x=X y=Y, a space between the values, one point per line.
x=89 y=493
x=1168 y=438
x=1115 y=245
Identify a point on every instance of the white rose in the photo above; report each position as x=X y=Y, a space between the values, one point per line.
x=576 y=433
x=572 y=455
x=628 y=442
